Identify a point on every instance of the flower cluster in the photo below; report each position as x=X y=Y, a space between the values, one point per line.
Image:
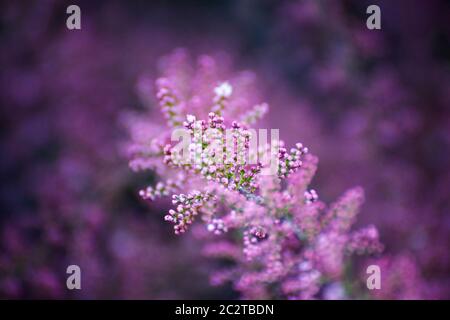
x=168 y=101
x=161 y=189
x=226 y=157
x=188 y=207
x=340 y=84
x=283 y=240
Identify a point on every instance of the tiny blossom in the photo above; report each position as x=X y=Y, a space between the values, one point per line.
x=290 y=162
x=186 y=210
x=364 y=240
x=222 y=93
x=256 y=234
x=217 y=226
x=190 y=118
x=224 y=90
x=161 y=189
x=168 y=101
x=255 y=114
x=274 y=228
x=311 y=196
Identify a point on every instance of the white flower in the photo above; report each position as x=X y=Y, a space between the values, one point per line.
x=224 y=90
x=190 y=118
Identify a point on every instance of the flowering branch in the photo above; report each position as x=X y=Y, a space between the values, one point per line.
x=283 y=239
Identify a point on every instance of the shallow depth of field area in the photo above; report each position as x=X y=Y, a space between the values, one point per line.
x=89 y=176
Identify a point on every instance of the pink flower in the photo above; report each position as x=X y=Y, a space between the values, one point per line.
x=274 y=227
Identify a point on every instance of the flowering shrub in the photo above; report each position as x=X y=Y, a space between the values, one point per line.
x=283 y=241
x=65 y=194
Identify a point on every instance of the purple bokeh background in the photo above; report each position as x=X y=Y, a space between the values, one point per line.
x=372 y=105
